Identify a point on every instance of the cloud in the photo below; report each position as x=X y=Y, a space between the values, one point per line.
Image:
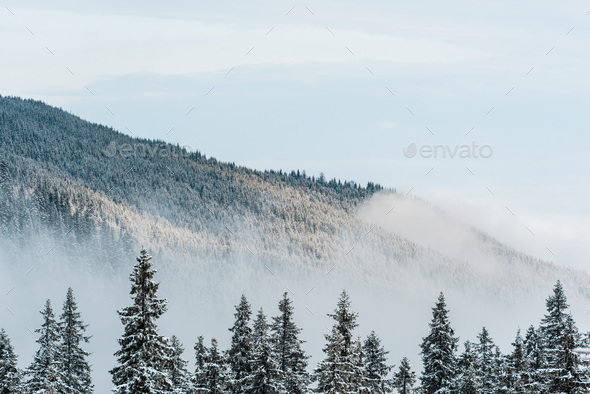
x=387 y=125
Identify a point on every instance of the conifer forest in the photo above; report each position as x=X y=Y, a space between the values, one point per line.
x=267 y=355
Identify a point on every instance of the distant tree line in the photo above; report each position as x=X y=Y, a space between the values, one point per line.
x=268 y=356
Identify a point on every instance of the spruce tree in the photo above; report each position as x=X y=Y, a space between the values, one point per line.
x=199 y=377
x=75 y=369
x=335 y=372
x=179 y=374
x=239 y=355
x=358 y=377
x=145 y=356
x=266 y=375
x=487 y=378
x=502 y=373
x=216 y=374
x=290 y=356
x=438 y=352
x=534 y=380
x=345 y=320
x=9 y=373
x=404 y=379
x=376 y=365
x=559 y=336
x=517 y=365
x=467 y=380
x=43 y=375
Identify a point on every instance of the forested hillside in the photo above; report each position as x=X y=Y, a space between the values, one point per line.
x=93 y=195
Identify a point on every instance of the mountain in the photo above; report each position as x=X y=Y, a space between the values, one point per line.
x=94 y=196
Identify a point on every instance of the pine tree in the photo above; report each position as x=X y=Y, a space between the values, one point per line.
x=358 y=377
x=438 y=352
x=467 y=381
x=376 y=365
x=239 y=355
x=290 y=356
x=404 y=379
x=335 y=372
x=502 y=373
x=266 y=375
x=74 y=367
x=535 y=359
x=332 y=372
x=216 y=374
x=145 y=356
x=487 y=378
x=345 y=320
x=179 y=375
x=560 y=337
x=517 y=365
x=199 y=377
x=9 y=373
x=43 y=374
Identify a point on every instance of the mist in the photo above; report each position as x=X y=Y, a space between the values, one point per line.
x=393 y=296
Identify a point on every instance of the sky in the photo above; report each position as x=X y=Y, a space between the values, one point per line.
x=343 y=88
x=363 y=91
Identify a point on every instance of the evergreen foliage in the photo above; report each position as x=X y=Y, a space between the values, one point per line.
x=75 y=369
x=266 y=376
x=10 y=375
x=240 y=353
x=376 y=365
x=216 y=374
x=288 y=348
x=145 y=356
x=44 y=375
x=467 y=378
x=200 y=375
x=179 y=375
x=336 y=372
x=438 y=352
x=404 y=379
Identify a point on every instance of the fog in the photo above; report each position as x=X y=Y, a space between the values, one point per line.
x=201 y=299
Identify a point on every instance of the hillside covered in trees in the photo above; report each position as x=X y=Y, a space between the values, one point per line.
x=92 y=195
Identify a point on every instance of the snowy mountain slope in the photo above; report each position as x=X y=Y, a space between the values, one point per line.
x=86 y=190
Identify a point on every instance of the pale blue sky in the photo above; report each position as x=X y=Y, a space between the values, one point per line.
x=312 y=95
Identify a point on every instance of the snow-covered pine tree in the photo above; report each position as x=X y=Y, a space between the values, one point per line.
x=516 y=362
x=200 y=375
x=145 y=356
x=178 y=371
x=334 y=372
x=404 y=379
x=216 y=374
x=75 y=369
x=358 y=377
x=43 y=375
x=9 y=373
x=438 y=352
x=560 y=337
x=533 y=377
x=290 y=356
x=265 y=377
x=502 y=372
x=466 y=382
x=345 y=320
x=239 y=355
x=376 y=366
x=487 y=379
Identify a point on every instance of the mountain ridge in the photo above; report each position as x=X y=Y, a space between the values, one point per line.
x=83 y=188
